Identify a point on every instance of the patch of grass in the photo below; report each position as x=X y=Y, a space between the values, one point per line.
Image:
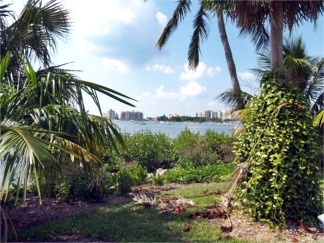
x=129 y=222
x=209 y=173
x=195 y=192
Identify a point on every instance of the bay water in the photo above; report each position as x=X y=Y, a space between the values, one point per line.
x=173 y=129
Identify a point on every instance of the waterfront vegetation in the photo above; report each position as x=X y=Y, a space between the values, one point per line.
x=189 y=158
x=51 y=146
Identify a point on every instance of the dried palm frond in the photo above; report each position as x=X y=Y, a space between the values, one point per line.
x=145 y=200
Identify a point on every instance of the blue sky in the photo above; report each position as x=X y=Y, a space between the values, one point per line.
x=114 y=44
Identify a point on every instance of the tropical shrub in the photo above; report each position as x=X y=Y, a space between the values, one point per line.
x=138 y=174
x=123 y=181
x=157 y=180
x=278 y=142
x=195 y=150
x=125 y=178
x=76 y=183
x=208 y=173
x=189 y=151
x=220 y=144
x=152 y=151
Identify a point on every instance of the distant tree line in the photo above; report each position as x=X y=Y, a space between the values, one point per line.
x=187 y=118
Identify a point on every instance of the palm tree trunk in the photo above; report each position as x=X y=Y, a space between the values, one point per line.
x=229 y=58
x=276 y=36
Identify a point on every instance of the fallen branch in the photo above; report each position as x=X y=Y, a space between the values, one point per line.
x=239 y=174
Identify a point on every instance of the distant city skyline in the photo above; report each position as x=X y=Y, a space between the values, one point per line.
x=138 y=115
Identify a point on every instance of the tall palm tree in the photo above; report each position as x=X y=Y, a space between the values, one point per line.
x=34 y=33
x=300 y=70
x=268 y=122
x=254 y=16
x=201 y=32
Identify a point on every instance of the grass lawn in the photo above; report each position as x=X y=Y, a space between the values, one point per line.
x=130 y=222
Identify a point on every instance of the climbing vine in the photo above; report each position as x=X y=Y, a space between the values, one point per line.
x=278 y=142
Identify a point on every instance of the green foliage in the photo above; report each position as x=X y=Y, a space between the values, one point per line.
x=194 y=150
x=278 y=141
x=189 y=151
x=220 y=144
x=157 y=180
x=138 y=174
x=125 y=178
x=78 y=185
x=124 y=182
x=152 y=151
x=207 y=173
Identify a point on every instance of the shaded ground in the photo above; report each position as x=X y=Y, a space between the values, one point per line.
x=32 y=214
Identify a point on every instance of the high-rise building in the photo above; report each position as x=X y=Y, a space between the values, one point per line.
x=132 y=115
x=111 y=114
x=214 y=114
x=206 y=114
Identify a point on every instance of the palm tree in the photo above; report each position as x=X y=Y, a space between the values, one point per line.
x=251 y=17
x=50 y=110
x=201 y=32
x=278 y=119
x=300 y=69
x=33 y=34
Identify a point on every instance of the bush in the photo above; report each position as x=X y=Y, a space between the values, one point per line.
x=220 y=144
x=152 y=151
x=125 y=178
x=195 y=150
x=138 y=174
x=79 y=186
x=278 y=142
x=124 y=181
x=209 y=173
x=157 y=180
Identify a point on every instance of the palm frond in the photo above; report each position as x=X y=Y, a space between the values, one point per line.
x=319 y=119
x=178 y=15
x=234 y=98
x=5 y=61
x=259 y=34
x=34 y=32
x=201 y=29
x=21 y=154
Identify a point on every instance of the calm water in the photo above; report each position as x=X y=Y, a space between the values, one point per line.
x=173 y=129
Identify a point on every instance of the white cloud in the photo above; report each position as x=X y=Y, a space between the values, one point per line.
x=125 y=30
x=193 y=88
x=159 y=68
x=160 y=93
x=161 y=18
x=115 y=64
x=190 y=90
x=246 y=76
x=201 y=71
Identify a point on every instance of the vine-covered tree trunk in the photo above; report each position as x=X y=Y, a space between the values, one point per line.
x=278 y=142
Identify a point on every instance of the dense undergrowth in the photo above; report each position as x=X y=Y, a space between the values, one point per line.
x=189 y=158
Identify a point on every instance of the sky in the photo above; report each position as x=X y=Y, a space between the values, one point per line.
x=113 y=43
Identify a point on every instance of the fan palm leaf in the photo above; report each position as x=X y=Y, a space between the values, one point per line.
x=36 y=29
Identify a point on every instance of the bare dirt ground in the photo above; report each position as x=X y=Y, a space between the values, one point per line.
x=32 y=214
